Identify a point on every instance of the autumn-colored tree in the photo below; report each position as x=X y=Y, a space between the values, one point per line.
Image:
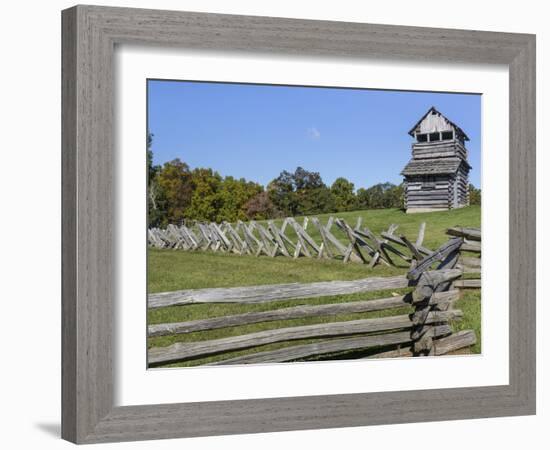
x=219 y=199
x=176 y=189
x=176 y=193
x=232 y=198
x=260 y=207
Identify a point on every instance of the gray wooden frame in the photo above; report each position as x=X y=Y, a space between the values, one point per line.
x=89 y=37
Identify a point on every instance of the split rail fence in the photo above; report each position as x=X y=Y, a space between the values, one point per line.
x=469 y=258
x=426 y=328
x=360 y=245
x=253 y=238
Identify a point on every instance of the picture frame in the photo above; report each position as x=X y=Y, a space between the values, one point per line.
x=90 y=34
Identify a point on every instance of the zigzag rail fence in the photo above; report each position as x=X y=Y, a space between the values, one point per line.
x=434 y=277
x=254 y=238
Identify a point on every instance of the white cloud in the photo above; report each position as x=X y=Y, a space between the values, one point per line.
x=313 y=133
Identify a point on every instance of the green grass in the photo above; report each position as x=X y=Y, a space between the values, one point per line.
x=198 y=311
x=470 y=304
x=170 y=270
x=378 y=220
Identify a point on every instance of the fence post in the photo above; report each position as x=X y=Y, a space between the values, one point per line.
x=428 y=283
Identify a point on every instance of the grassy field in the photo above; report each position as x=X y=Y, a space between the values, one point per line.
x=170 y=270
x=470 y=304
x=378 y=220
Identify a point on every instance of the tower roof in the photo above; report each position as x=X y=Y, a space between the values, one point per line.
x=427 y=124
x=434 y=166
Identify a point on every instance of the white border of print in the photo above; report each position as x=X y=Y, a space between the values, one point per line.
x=134 y=385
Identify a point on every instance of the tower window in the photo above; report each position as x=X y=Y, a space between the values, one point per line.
x=446 y=135
x=422 y=137
x=434 y=137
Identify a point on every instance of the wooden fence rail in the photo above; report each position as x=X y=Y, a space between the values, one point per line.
x=271 y=292
x=330 y=346
x=469 y=257
x=292 y=239
x=425 y=330
x=294 y=312
x=187 y=350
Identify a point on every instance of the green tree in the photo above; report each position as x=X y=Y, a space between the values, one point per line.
x=381 y=195
x=232 y=198
x=344 y=196
x=304 y=179
x=282 y=193
x=316 y=201
x=205 y=202
x=362 y=198
x=152 y=170
x=301 y=192
x=475 y=195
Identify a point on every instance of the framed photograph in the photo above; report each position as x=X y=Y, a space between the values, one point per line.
x=276 y=224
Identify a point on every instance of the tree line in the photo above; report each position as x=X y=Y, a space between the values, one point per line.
x=177 y=192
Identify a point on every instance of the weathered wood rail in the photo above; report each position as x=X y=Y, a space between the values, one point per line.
x=425 y=330
x=179 y=351
x=469 y=256
x=451 y=343
x=295 y=312
x=271 y=292
x=334 y=345
x=292 y=239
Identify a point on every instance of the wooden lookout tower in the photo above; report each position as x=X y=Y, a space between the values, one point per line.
x=436 y=177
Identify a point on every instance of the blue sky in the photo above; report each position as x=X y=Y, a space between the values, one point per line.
x=256 y=131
